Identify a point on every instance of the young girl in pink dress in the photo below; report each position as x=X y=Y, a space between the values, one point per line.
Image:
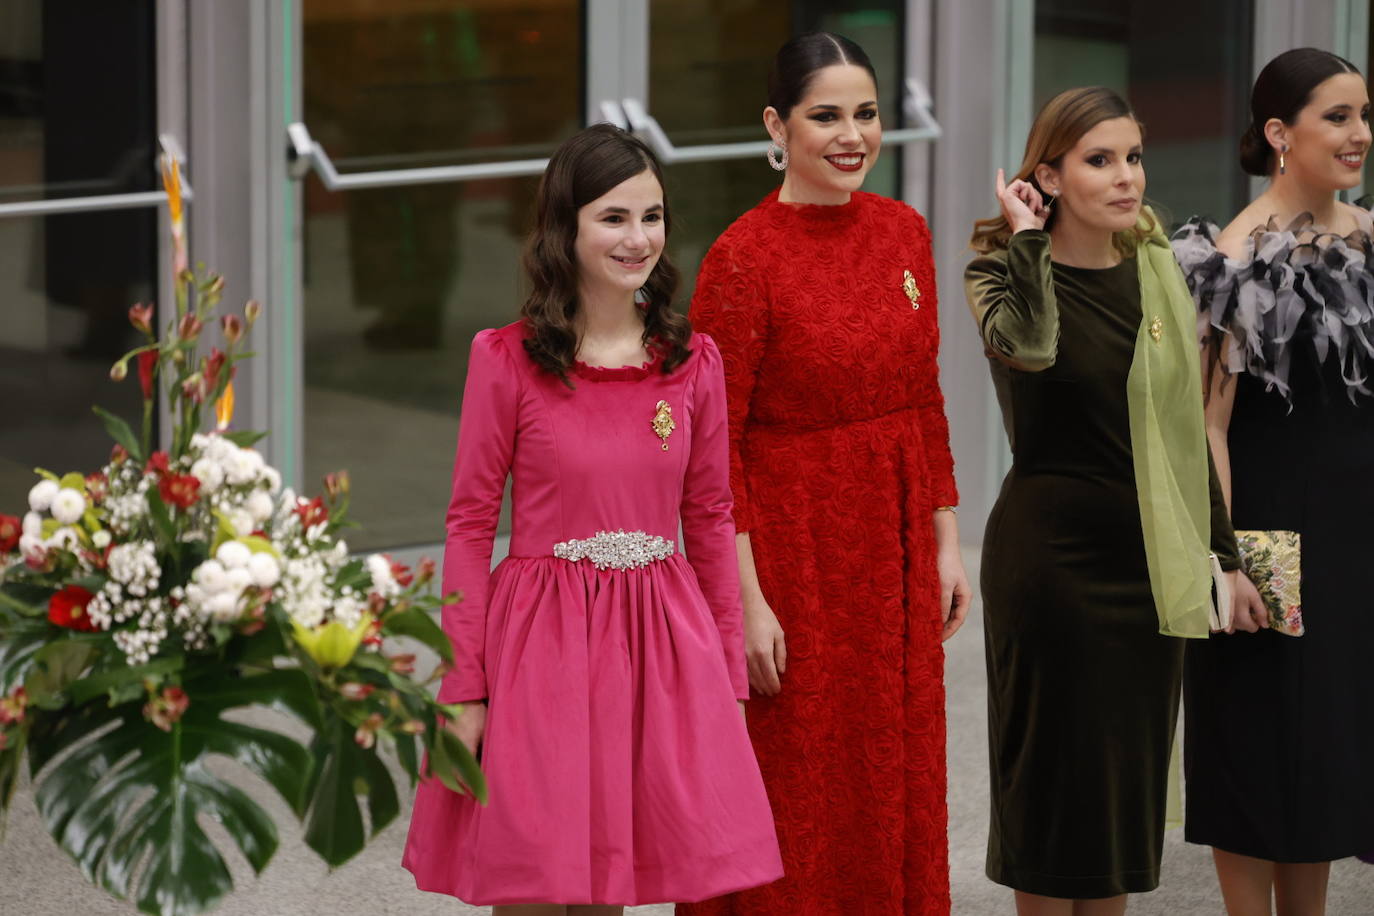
x=599 y=665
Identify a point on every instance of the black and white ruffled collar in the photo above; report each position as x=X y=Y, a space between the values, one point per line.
x=1296 y=286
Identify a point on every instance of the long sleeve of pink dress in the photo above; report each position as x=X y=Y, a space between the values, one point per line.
x=610 y=656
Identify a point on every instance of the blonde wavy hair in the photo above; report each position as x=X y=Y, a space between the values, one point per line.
x=1058 y=127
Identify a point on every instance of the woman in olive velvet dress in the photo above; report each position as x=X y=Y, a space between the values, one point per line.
x=1283 y=783
x=1096 y=553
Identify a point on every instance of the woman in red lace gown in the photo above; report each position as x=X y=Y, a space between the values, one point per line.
x=822 y=299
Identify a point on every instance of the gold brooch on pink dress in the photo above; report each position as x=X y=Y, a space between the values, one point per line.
x=912 y=291
x=663 y=422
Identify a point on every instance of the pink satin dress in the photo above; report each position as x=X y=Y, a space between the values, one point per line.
x=609 y=648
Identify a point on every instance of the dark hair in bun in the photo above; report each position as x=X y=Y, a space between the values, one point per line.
x=1282 y=89
x=798 y=60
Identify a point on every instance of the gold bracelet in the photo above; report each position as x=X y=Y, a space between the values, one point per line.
x=953 y=509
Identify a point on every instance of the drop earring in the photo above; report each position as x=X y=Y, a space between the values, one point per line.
x=778 y=165
x=1283 y=166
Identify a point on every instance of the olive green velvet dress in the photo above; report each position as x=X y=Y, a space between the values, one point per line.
x=1083 y=691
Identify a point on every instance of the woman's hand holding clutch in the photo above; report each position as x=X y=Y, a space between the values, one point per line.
x=1248 y=612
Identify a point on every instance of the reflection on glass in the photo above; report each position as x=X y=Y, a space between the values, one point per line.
x=708 y=80
x=66 y=282
x=1138 y=49
x=399 y=279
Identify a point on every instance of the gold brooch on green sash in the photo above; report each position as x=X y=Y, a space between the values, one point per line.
x=1156 y=328
x=663 y=422
x=912 y=291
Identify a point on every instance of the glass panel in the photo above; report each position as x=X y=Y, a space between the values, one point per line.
x=66 y=282
x=62 y=133
x=398 y=280
x=1136 y=48
x=708 y=77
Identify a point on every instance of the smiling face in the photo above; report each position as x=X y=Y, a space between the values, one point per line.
x=620 y=236
x=1328 y=140
x=1101 y=181
x=832 y=135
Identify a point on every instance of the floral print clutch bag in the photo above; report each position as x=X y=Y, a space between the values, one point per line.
x=1273 y=561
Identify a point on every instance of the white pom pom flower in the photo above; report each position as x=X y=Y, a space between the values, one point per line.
x=210 y=576
x=264 y=569
x=259 y=506
x=233 y=554
x=33 y=524
x=41 y=496
x=68 y=506
x=210 y=474
x=243 y=523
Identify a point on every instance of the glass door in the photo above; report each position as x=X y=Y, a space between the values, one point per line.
x=1137 y=49
x=424 y=127
x=79 y=231
x=707 y=88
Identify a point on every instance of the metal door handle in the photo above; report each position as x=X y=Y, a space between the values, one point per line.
x=305 y=154
x=915 y=104
x=168 y=146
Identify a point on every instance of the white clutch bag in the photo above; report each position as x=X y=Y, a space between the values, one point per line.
x=1220 y=616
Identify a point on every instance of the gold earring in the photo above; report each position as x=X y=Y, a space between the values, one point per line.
x=1283 y=167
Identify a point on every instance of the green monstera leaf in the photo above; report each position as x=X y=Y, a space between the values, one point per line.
x=122 y=797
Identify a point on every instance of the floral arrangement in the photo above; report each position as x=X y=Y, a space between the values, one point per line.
x=141 y=603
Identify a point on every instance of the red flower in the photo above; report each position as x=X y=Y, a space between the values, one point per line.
x=119 y=454
x=403 y=664
x=425 y=570
x=141 y=317
x=67 y=608
x=374 y=634
x=232 y=328
x=190 y=326
x=10 y=529
x=313 y=512
x=401 y=573
x=157 y=464
x=12 y=707
x=96 y=487
x=179 y=489
x=213 y=365
x=194 y=388
x=147 y=369
x=355 y=691
x=366 y=735
x=167 y=708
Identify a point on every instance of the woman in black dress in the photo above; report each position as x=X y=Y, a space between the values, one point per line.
x=1096 y=554
x=1279 y=749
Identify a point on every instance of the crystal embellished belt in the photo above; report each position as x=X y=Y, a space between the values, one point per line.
x=616 y=549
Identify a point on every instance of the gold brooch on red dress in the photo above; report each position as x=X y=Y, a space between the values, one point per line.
x=662 y=423
x=912 y=291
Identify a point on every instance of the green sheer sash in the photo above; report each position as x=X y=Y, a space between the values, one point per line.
x=1169 y=441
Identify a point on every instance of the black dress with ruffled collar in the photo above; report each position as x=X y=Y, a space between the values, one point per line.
x=1280 y=730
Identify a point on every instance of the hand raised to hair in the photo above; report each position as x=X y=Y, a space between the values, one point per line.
x=1022 y=205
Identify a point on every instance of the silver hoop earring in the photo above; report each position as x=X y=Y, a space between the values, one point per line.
x=778 y=165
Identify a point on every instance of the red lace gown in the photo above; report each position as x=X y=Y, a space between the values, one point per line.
x=839 y=456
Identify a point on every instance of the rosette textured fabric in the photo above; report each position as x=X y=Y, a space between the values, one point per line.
x=618 y=764
x=839 y=456
x=1284 y=776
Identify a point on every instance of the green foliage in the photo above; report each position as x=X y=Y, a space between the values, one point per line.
x=124 y=796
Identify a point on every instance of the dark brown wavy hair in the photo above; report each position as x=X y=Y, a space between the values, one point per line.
x=583 y=168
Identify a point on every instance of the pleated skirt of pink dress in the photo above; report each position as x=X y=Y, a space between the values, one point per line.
x=618 y=764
